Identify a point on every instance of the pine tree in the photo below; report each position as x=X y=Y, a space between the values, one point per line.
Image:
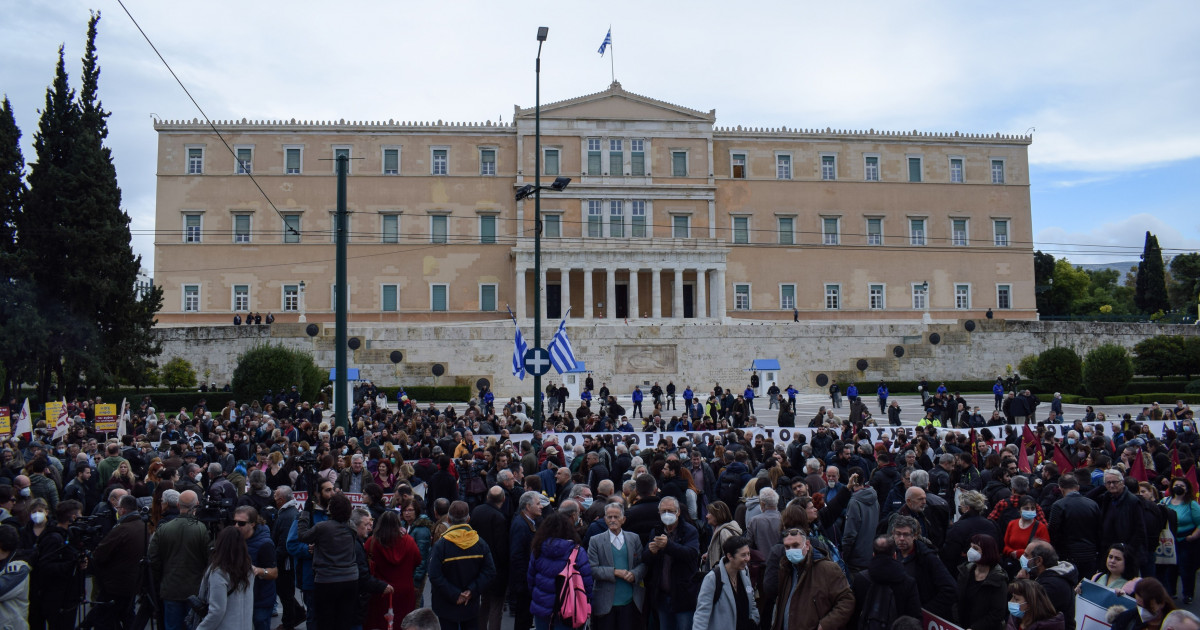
x=12 y=188
x=1151 y=289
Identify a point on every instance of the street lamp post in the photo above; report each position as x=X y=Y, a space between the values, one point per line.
x=302 y=317
x=925 y=289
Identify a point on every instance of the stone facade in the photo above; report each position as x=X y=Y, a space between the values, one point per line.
x=688 y=353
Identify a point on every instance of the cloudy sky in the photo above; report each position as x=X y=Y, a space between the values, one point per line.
x=1113 y=89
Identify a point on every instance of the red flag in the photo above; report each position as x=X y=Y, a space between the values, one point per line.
x=974 y=449
x=1023 y=460
x=1138 y=469
x=1176 y=469
x=1064 y=463
x=1039 y=453
x=1191 y=476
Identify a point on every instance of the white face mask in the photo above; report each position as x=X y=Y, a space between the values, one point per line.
x=38 y=517
x=973 y=555
x=668 y=518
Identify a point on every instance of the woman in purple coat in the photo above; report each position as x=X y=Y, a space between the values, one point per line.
x=552 y=546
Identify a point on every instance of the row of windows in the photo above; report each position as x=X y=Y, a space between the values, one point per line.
x=876 y=296
x=291 y=296
x=631 y=163
x=625 y=218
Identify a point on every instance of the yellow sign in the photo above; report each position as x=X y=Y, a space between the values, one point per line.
x=52 y=411
x=106 y=418
x=5 y=421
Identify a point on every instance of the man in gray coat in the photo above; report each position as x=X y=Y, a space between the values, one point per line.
x=862 y=517
x=617 y=569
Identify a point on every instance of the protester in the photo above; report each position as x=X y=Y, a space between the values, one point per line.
x=726 y=599
x=1030 y=609
x=227 y=585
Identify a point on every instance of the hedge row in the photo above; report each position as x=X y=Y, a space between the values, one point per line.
x=1164 y=400
x=426 y=393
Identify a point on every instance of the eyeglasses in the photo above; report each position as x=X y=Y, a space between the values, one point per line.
x=794 y=532
x=241 y=523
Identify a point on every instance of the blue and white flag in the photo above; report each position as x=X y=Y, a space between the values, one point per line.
x=562 y=357
x=607 y=42
x=519 y=350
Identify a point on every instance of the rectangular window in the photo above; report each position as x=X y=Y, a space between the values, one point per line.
x=962 y=296
x=787 y=296
x=241 y=228
x=871 y=168
x=438 y=231
x=741 y=297
x=291 y=228
x=920 y=293
x=192 y=228
x=958 y=227
x=679 y=225
x=637 y=217
x=441 y=161
x=550 y=162
x=783 y=167
x=616 y=219
x=245 y=160
x=487 y=228
x=916 y=231
x=739 y=165
x=637 y=157
x=1004 y=296
x=391 y=161
x=616 y=156
x=741 y=229
x=956 y=170
x=438 y=296
x=593 y=156
x=595 y=219
x=389 y=298
x=828 y=167
x=292 y=160
x=1000 y=232
x=787 y=231
x=833 y=297
x=339 y=152
x=679 y=165
x=914 y=169
x=241 y=297
x=829 y=231
x=877 y=300
x=191 y=298
x=552 y=225
x=291 y=297
x=997 y=171
x=487 y=297
x=487 y=161
x=195 y=161
x=874 y=231
x=391 y=228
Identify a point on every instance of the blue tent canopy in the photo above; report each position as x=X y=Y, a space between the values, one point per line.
x=764 y=364
x=351 y=374
x=578 y=368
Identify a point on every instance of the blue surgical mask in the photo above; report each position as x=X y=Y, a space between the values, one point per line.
x=1014 y=609
x=1070 y=440
x=795 y=556
x=1028 y=515
x=587 y=502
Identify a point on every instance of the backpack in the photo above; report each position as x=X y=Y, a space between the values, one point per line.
x=826 y=549
x=729 y=489
x=880 y=610
x=574 y=609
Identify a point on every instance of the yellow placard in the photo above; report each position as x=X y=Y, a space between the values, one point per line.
x=52 y=411
x=5 y=421
x=106 y=418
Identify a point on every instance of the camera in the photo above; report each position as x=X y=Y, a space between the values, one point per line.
x=85 y=532
x=214 y=511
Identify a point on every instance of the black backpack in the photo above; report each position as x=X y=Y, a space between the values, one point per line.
x=879 y=611
x=729 y=489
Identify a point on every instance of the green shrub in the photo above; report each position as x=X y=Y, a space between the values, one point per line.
x=276 y=368
x=178 y=372
x=1070 y=399
x=1149 y=387
x=1159 y=356
x=1085 y=400
x=1060 y=370
x=1027 y=365
x=1167 y=400
x=1193 y=387
x=424 y=394
x=1106 y=369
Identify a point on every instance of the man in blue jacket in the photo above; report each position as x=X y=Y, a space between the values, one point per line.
x=262 y=557
x=300 y=551
x=998 y=392
x=637 y=402
x=748 y=395
x=883 y=396
x=852 y=393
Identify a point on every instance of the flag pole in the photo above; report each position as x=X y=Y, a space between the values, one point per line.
x=611 y=61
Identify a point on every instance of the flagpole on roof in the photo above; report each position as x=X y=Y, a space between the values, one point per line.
x=612 y=63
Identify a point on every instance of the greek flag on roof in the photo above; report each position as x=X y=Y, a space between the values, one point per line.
x=562 y=357
x=606 y=43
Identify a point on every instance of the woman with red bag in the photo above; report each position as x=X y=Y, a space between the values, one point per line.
x=394 y=557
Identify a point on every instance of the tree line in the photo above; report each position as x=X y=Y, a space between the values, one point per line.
x=69 y=311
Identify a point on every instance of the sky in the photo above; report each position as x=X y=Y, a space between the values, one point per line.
x=1111 y=90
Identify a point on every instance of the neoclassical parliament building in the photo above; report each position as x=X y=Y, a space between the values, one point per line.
x=667 y=216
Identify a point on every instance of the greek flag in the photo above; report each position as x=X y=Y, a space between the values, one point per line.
x=519 y=350
x=607 y=42
x=562 y=357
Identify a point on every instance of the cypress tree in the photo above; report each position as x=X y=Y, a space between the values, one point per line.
x=1151 y=289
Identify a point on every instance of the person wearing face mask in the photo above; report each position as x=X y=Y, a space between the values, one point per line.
x=1153 y=605
x=982 y=587
x=1187 y=540
x=671 y=558
x=813 y=591
x=1024 y=530
x=1040 y=563
x=1030 y=609
x=38 y=522
x=726 y=599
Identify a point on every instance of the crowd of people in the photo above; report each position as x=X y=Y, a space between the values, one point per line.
x=264 y=514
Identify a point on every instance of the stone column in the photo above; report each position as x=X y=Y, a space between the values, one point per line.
x=610 y=296
x=520 y=293
x=701 y=293
x=656 y=292
x=565 y=291
x=677 y=299
x=633 y=294
x=719 y=312
x=587 y=293
x=542 y=283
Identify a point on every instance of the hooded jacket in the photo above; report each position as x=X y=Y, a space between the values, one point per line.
x=934 y=582
x=544 y=569
x=1059 y=582
x=811 y=594
x=460 y=561
x=982 y=605
x=862 y=517
x=888 y=572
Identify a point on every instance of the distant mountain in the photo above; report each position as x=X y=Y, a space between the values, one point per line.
x=1121 y=267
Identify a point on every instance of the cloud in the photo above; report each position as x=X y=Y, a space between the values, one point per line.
x=1114 y=241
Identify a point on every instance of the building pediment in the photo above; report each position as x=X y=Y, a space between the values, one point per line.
x=617 y=104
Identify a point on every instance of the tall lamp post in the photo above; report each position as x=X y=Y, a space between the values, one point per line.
x=559 y=184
